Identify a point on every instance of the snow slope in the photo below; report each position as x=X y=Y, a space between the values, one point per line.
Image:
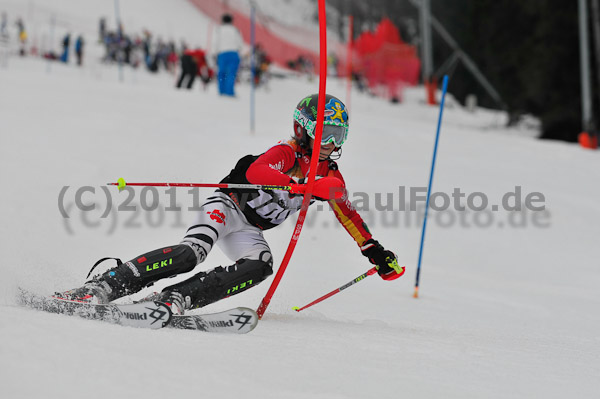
x=506 y=310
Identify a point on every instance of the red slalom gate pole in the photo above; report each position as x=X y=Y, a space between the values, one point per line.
x=313 y=162
x=343 y=287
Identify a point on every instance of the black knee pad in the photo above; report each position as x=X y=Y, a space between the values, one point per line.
x=221 y=282
x=130 y=277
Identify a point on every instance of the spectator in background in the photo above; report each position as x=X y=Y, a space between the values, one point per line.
x=360 y=81
x=261 y=64
x=302 y=65
x=102 y=29
x=65 y=54
x=79 y=49
x=227 y=46
x=22 y=36
x=4 y=25
x=136 y=52
x=160 y=53
x=332 y=64
x=111 y=45
x=171 y=57
x=126 y=46
x=193 y=62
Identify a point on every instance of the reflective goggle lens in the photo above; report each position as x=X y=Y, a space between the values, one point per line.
x=334 y=133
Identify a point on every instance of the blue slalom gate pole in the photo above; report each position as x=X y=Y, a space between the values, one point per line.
x=252 y=67
x=435 y=147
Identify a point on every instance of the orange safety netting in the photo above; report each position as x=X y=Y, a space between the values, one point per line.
x=385 y=61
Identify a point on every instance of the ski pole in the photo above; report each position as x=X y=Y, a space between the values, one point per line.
x=343 y=287
x=329 y=187
x=293 y=188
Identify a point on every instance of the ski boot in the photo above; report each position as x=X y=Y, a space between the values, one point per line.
x=93 y=292
x=130 y=277
x=174 y=300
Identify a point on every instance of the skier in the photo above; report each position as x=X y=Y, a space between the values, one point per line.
x=235 y=219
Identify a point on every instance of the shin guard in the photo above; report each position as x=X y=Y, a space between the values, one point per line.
x=221 y=282
x=130 y=277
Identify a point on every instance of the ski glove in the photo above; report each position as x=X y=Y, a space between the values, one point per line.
x=385 y=261
x=325 y=188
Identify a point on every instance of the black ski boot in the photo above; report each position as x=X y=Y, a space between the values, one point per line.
x=130 y=277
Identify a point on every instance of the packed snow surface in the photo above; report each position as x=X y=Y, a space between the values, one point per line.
x=508 y=303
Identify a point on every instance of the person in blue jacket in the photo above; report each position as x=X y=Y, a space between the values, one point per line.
x=65 y=54
x=79 y=49
x=227 y=45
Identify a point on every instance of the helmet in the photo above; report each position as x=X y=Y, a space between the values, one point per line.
x=335 y=125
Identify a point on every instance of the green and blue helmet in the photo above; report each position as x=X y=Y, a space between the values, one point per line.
x=335 y=125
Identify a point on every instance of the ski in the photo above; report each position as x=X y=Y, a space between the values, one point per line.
x=237 y=320
x=145 y=314
x=152 y=314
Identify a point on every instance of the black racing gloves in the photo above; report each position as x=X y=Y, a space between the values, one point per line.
x=385 y=261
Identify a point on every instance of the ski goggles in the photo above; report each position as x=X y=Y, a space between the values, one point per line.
x=333 y=132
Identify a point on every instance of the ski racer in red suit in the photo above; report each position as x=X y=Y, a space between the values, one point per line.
x=235 y=219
